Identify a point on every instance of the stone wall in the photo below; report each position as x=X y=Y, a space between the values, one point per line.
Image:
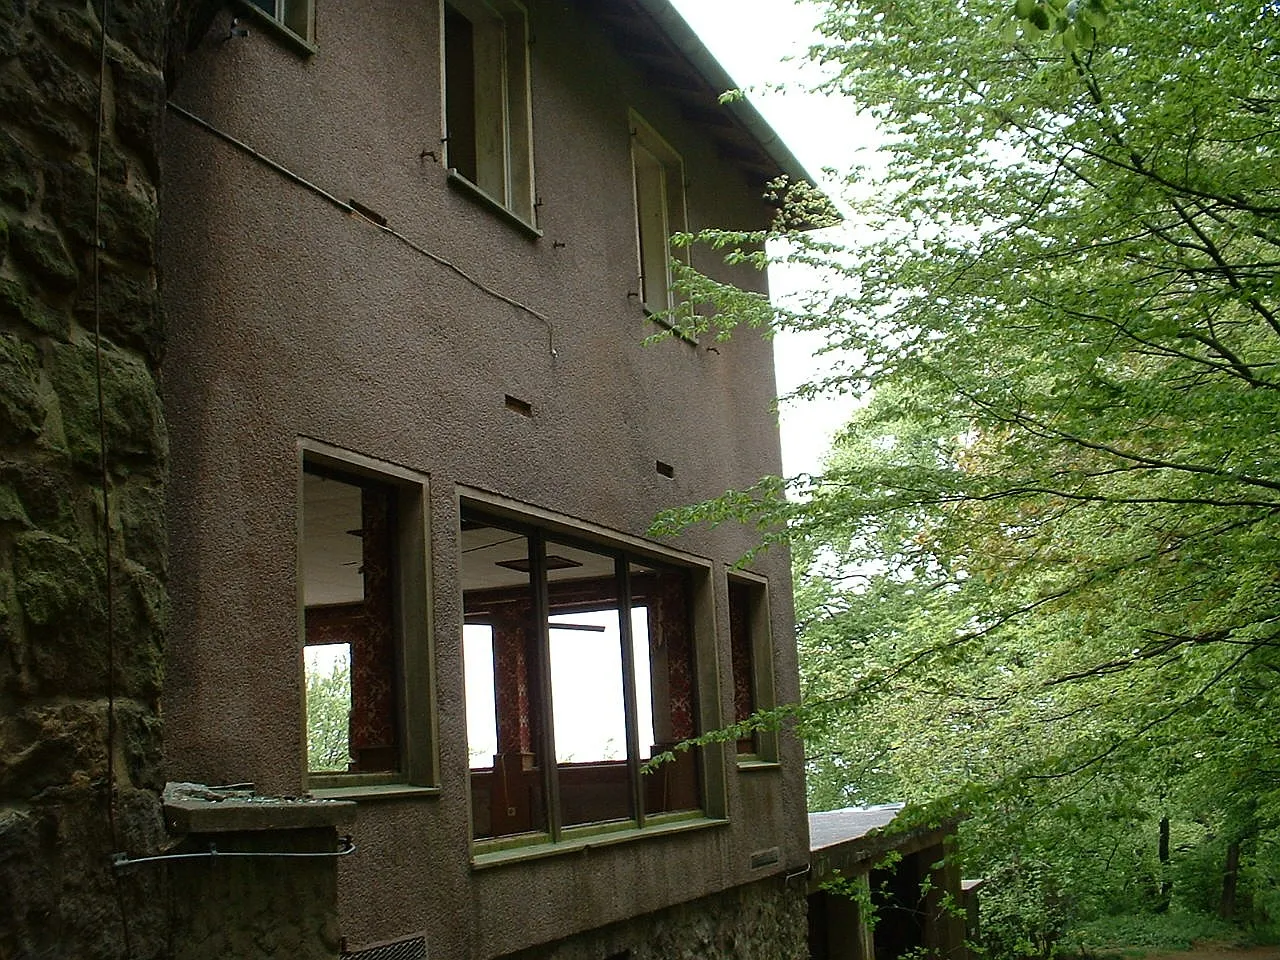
x=760 y=921
x=78 y=661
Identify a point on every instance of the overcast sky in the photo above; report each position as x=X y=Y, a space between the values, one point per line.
x=752 y=40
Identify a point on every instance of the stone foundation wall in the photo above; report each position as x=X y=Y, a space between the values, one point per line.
x=760 y=921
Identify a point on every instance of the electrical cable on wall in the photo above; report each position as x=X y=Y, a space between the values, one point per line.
x=104 y=474
x=363 y=214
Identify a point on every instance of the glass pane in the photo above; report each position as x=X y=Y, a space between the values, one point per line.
x=589 y=711
x=507 y=789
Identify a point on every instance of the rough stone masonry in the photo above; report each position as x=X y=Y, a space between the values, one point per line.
x=82 y=580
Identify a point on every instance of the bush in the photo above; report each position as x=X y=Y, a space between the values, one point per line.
x=1175 y=930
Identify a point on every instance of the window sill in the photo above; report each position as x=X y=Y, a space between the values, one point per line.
x=381 y=791
x=750 y=762
x=300 y=44
x=657 y=320
x=584 y=842
x=487 y=200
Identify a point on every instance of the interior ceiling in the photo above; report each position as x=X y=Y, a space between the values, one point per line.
x=486 y=549
x=331 y=542
x=332 y=550
x=643 y=42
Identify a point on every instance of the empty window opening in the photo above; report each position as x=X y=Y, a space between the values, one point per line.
x=328 y=679
x=666 y=469
x=487 y=107
x=351 y=656
x=591 y=664
x=751 y=656
x=482 y=718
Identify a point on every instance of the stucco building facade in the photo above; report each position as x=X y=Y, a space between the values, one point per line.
x=411 y=258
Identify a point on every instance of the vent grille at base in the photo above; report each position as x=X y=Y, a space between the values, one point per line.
x=414 y=948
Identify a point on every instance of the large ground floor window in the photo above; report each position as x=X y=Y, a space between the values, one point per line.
x=580 y=666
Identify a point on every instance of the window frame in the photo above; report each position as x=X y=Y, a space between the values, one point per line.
x=559 y=837
x=654 y=256
x=759 y=624
x=412 y=604
x=286 y=22
x=500 y=105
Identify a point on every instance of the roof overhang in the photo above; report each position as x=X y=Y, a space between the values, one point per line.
x=851 y=841
x=653 y=36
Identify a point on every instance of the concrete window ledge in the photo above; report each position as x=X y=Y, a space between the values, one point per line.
x=195 y=808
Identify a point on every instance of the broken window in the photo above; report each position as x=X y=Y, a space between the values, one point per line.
x=660 y=211
x=364 y=626
x=350 y=634
x=487 y=106
x=751 y=654
x=590 y=660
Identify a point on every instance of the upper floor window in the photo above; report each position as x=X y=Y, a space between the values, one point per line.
x=296 y=15
x=658 y=173
x=487 y=105
x=365 y=662
x=580 y=664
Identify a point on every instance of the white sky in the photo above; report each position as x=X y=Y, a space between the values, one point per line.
x=751 y=39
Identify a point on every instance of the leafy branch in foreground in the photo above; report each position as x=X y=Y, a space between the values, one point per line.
x=1039 y=575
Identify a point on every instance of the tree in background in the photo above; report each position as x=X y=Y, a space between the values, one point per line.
x=1039 y=577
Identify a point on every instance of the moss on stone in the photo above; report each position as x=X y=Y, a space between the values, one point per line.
x=139 y=508
x=134 y=421
x=47 y=496
x=42 y=253
x=22 y=412
x=127 y=223
x=11 y=508
x=128 y=309
x=18 y=100
x=17 y=173
x=60 y=594
x=18 y=307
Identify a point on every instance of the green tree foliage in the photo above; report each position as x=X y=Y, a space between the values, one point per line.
x=1039 y=577
x=328 y=715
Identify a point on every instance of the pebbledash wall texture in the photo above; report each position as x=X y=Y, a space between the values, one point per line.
x=83 y=576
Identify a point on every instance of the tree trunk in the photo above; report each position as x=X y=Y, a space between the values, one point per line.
x=1166 y=886
x=1227 y=908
